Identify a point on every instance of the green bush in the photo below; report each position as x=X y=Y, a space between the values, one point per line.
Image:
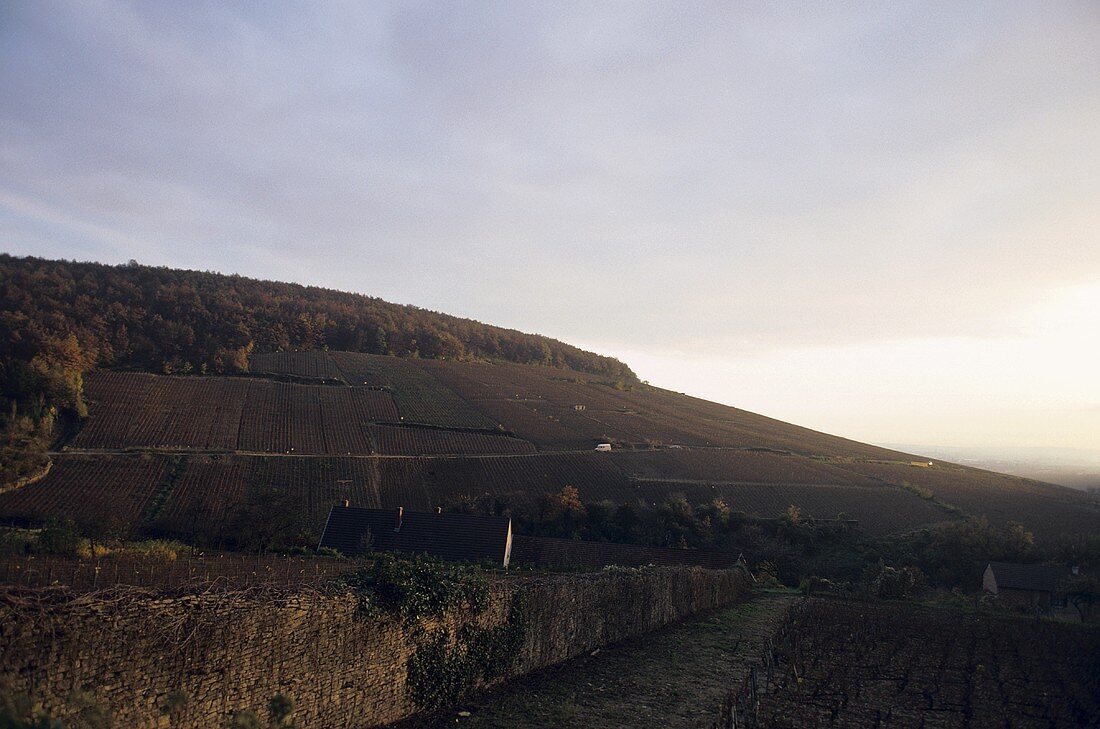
x=279 y=709
x=59 y=537
x=166 y=549
x=174 y=704
x=890 y=583
x=417 y=587
x=16 y=712
x=442 y=670
x=245 y=719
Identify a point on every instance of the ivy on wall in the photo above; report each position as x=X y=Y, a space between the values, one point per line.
x=417 y=587
x=444 y=666
x=443 y=670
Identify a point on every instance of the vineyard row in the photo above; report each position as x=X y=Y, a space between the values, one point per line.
x=180 y=494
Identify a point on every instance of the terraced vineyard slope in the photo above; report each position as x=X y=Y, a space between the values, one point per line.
x=309 y=429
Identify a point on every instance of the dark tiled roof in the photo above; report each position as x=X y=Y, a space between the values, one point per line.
x=1036 y=577
x=549 y=552
x=452 y=537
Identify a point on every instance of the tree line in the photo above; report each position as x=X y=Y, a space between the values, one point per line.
x=59 y=319
x=794 y=547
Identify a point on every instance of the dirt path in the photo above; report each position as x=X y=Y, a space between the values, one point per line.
x=675 y=677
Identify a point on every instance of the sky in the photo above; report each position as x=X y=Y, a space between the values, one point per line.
x=880 y=220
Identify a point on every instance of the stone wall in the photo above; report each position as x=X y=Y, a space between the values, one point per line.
x=553 y=552
x=212 y=655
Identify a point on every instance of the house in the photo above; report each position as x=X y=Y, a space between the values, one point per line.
x=603 y=447
x=450 y=537
x=1029 y=585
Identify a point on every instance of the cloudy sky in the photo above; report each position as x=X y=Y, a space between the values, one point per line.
x=880 y=220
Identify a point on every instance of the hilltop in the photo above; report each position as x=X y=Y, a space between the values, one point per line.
x=59 y=318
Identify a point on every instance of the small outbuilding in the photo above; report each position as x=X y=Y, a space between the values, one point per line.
x=1030 y=585
x=451 y=537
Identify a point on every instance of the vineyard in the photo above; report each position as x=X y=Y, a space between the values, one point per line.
x=136 y=410
x=1047 y=511
x=314 y=364
x=548 y=426
x=227 y=414
x=726 y=465
x=728 y=426
x=847 y=664
x=556 y=409
x=214 y=494
x=420 y=397
x=130 y=410
x=460 y=431
x=540 y=404
x=393 y=440
x=113 y=492
x=522 y=480
x=519 y=480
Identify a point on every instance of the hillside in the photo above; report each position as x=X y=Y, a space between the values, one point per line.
x=208 y=457
x=230 y=411
x=62 y=319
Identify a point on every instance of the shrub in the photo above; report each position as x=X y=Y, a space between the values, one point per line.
x=793 y=515
x=417 y=587
x=92 y=715
x=166 y=549
x=442 y=670
x=767 y=575
x=16 y=712
x=174 y=704
x=279 y=709
x=244 y=719
x=1083 y=592
x=59 y=537
x=15 y=541
x=889 y=583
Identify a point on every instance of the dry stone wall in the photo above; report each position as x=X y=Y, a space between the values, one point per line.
x=195 y=661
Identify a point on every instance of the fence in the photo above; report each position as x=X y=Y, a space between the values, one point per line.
x=232 y=571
